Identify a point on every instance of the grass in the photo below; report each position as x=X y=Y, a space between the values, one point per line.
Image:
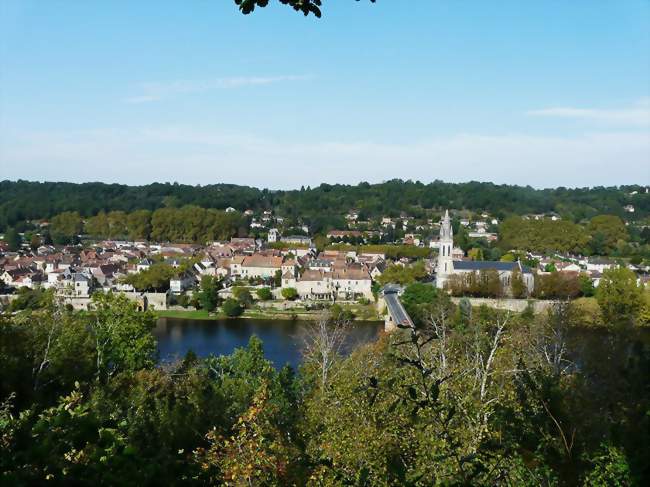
x=190 y=314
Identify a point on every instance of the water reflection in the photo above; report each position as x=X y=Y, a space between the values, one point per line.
x=282 y=339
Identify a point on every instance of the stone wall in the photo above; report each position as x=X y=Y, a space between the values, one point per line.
x=516 y=305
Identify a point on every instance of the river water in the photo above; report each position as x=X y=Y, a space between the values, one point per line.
x=591 y=350
x=282 y=339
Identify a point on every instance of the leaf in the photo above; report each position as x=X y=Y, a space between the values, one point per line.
x=412 y=392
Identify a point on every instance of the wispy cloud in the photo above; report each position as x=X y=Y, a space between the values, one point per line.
x=192 y=155
x=155 y=91
x=635 y=115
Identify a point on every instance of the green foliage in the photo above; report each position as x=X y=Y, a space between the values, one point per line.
x=403 y=274
x=542 y=235
x=483 y=284
x=475 y=254
x=557 y=285
x=489 y=399
x=13 y=240
x=156 y=278
x=208 y=296
x=340 y=313
x=606 y=232
x=586 y=285
x=517 y=286
x=618 y=295
x=65 y=227
x=123 y=337
x=31 y=299
x=231 y=308
x=289 y=293
x=264 y=294
x=610 y=468
x=419 y=299
x=243 y=296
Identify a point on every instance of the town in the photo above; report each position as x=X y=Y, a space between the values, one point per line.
x=280 y=269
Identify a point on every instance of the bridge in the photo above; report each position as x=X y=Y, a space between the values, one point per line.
x=396 y=314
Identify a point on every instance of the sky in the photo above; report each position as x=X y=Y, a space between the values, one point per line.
x=546 y=94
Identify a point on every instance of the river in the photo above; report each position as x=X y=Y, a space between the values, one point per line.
x=598 y=351
x=282 y=339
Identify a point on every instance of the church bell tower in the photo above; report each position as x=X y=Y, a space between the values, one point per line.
x=446 y=244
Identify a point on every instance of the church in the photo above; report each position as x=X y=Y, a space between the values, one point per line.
x=447 y=266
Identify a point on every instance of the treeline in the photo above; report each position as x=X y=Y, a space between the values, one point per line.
x=185 y=224
x=321 y=206
x=602 y=235
x=469 y=396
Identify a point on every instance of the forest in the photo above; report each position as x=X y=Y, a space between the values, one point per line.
x=466 y=396
x=321 y=205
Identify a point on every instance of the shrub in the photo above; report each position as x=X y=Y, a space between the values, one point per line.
x=264 y=294
x=232 y=308
x=290 y=293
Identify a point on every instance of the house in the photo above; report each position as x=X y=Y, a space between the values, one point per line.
x=104 y=273
x=75 y=284
x=600 y=264
x=143 y=265
x=347 y=283
x=179 y=284
x=338 y=234
x=567 y=267
x=297 y=240
x=260 y=266
x=243 y=245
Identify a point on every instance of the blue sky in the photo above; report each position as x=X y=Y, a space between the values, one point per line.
x=551 y=93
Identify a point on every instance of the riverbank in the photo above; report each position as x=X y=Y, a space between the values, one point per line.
x=360 y=313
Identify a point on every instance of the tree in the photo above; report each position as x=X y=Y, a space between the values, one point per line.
x=156 y=278
x=586 y=285
x=35 y=242
x=65 y=227
x=517 y=285
x=607 y=230
x=264 y=294
x=475 y=254
x=243 y=296
x=618 y=295
x=208 y=297
x=123 y=338
x=289 y=293
x=232 y=308
x=399 y=274
x=306 y=7
x=13 y=240
x=323 y=343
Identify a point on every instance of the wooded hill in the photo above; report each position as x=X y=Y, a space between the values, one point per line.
x=26 y=200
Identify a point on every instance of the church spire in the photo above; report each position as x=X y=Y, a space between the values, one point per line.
x=446 y=232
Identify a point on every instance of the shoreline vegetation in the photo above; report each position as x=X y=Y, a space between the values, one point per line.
x=261 y=314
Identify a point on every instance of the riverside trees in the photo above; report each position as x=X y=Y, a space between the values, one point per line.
x=476 y=397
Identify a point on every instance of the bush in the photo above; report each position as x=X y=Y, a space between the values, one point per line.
x=232 y=308
x=243 y=295
x=290 y=293
x=264 y=294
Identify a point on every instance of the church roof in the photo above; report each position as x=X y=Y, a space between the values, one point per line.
x=479 y=265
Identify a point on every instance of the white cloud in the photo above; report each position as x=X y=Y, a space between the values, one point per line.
x=205 y=156
x=636 y=115
x=155 y=91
